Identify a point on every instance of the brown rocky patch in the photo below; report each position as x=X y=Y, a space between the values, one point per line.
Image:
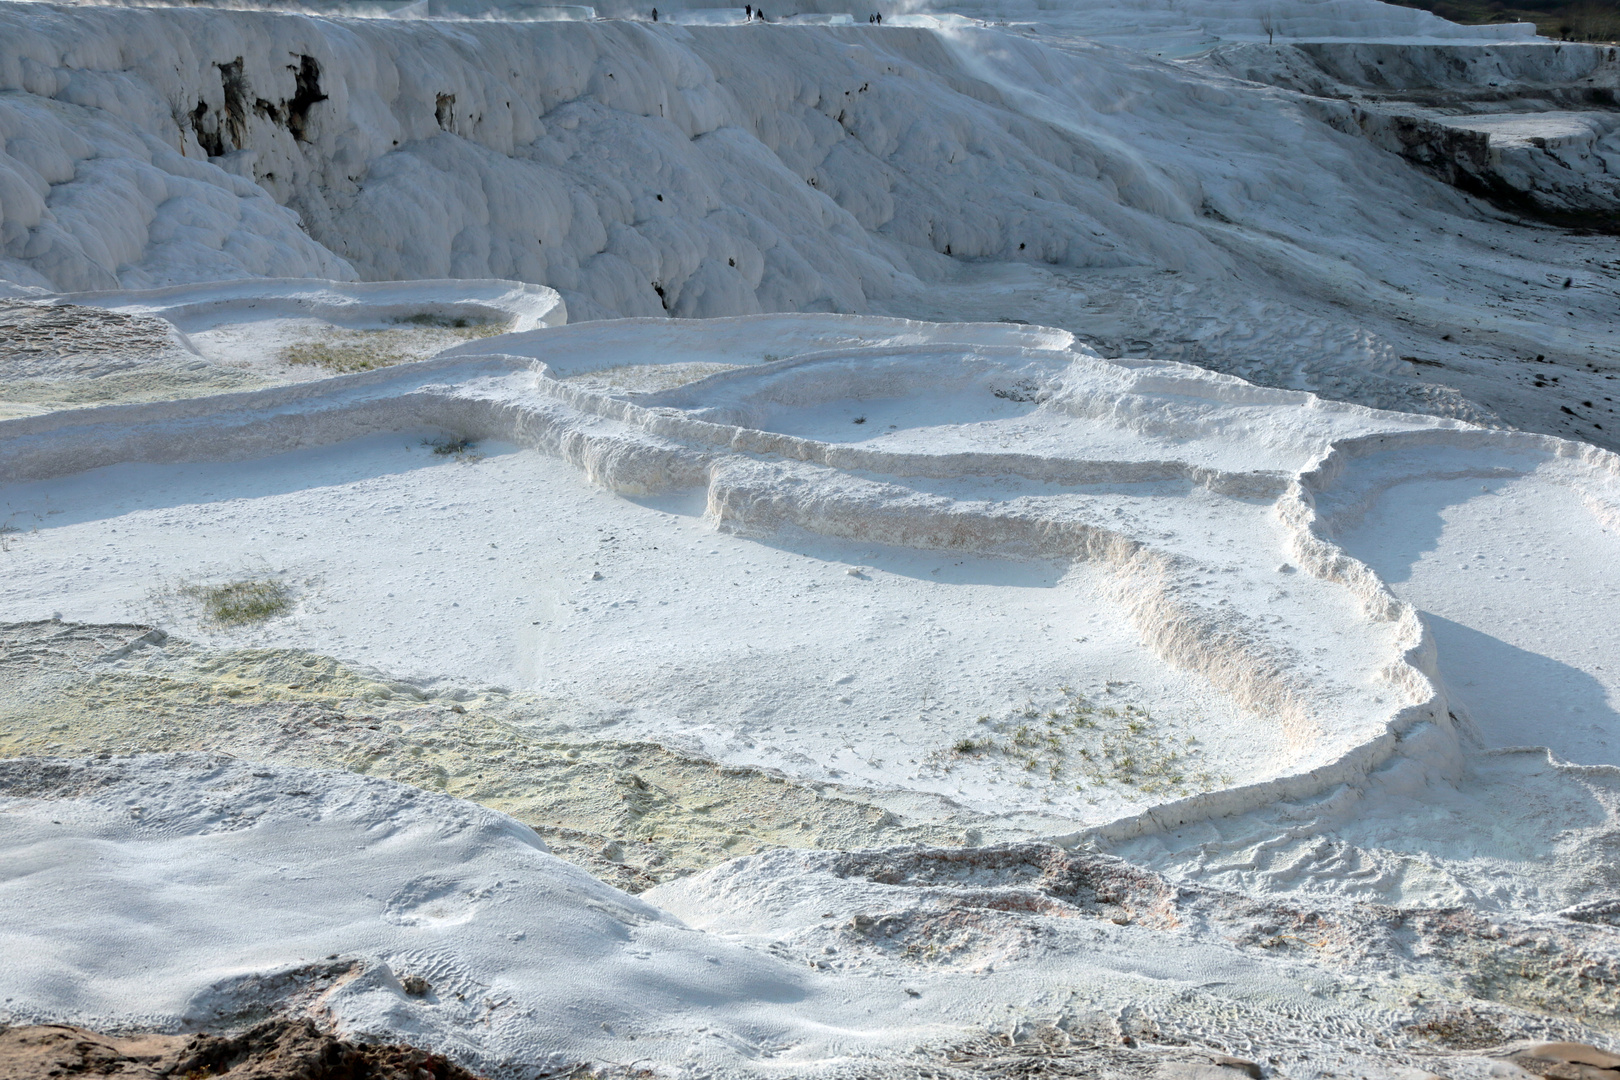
x=274 y=1050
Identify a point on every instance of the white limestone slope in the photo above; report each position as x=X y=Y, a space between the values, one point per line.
x=1161 y=27
x=1235 y=632
x=201 y=890
x=1016 y=515
x=187 y=891
x=473 y=153
x=1249 y=636
x=947 y=169
x=1521 y=123
x=425 y=149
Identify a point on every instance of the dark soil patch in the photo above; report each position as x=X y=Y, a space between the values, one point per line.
x=274 y=1050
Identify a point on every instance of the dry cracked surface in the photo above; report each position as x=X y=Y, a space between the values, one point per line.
x=1466 y=981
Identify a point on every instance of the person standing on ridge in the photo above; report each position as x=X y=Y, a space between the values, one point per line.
x=655 y=14
x=748 y=13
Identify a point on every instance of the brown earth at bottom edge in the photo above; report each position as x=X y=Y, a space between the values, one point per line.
x=278 y=1049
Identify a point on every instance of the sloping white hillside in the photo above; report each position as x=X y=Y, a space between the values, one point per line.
x=942 y=170
x=641 y=168
x=205 y=890
x=187 y=891
x=1061 y=434
x=958 y=555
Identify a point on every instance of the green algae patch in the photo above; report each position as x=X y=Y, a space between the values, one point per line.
x=633 y=813
x=241 y=603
